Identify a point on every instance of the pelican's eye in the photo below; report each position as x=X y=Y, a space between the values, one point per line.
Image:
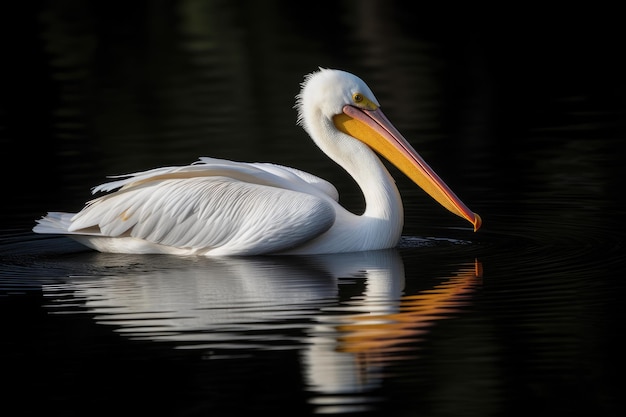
x=363 y=102
x=357 y=97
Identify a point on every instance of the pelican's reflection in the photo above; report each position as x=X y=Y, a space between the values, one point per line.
x=351 y=312
x=349 y=351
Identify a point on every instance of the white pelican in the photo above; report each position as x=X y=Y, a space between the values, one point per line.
x=216 y=207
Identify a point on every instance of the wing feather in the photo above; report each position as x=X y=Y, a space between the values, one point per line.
x=317 y=182
x=217 y=214
x=255 y=173
x=212 y=206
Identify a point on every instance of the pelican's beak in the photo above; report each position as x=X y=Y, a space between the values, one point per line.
x=374 y=129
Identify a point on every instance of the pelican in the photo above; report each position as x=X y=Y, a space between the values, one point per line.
x=216 y=207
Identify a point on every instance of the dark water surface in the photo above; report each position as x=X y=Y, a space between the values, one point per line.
x=525 y=121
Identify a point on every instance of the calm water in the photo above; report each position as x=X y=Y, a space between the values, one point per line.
x=522 y=318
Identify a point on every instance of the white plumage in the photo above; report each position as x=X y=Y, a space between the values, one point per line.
x=217 y=207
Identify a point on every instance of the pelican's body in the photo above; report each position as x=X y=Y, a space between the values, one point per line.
x=216 y=207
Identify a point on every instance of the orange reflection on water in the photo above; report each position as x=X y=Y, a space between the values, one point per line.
x=377 y=338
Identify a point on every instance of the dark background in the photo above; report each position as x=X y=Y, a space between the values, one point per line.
x=103 y=88
x=521 y=108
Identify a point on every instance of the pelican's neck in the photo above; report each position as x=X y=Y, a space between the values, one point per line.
x=382 y=198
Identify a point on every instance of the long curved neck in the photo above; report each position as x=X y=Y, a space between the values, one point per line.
x=382 y=198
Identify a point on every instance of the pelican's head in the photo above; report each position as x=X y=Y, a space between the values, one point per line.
x=345 y=99
x=328 y=91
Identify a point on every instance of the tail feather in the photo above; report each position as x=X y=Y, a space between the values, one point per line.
x=54 y=223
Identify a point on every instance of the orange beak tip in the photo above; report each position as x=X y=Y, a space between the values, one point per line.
x=477 y=222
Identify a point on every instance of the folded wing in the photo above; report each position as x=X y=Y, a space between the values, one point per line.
x=222 y=208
